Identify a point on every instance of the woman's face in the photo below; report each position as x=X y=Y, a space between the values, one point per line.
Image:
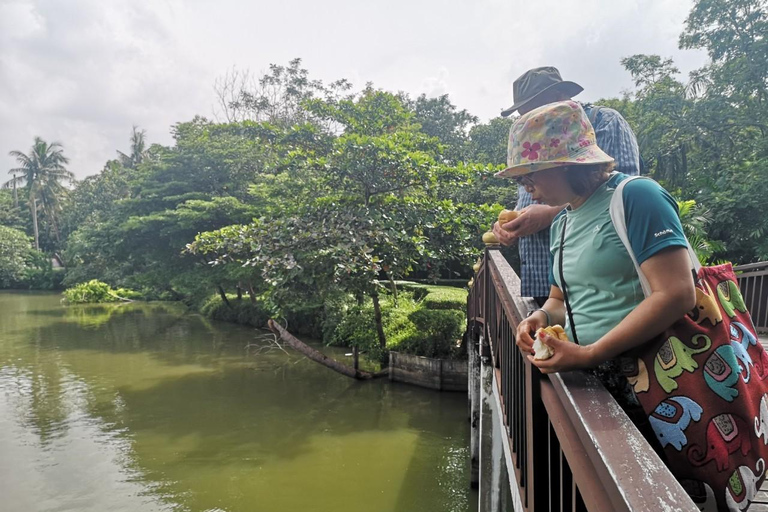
x=548 y=186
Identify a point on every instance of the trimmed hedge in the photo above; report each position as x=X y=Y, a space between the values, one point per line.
x=428 y=321
x=443 y=297
x=437 y=332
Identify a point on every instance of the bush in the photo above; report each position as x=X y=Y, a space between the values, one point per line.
x=94 y=291
x=443 y=297
x=127 y=293
x=97 y=292
x=422 y=324
x=14 y=256
x=241 y=311
x=436 y=334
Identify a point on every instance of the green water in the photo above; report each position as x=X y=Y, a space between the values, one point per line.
x=145 y=408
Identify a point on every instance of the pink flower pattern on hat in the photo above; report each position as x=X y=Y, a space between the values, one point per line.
x=554 y=143
x=531 y=150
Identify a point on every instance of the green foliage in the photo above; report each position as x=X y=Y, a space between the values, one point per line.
x=11 y=216
x=410 y=327
x=41 y=275
x=445 y=297
x=43 y=174
x=240 y=311
x=93 y=291
x=96 y=292
x=437 y=332
x=14 y=256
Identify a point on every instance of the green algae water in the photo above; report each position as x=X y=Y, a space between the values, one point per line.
x=142 y=407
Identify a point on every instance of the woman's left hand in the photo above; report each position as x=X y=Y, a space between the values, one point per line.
x=567 y=356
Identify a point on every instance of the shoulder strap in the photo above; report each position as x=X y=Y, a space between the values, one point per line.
x=619 y=221
x=564 y=287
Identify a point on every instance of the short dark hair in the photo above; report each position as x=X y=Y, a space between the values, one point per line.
x=584 y=178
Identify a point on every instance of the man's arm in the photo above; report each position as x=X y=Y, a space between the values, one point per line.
x=615 y=137
x=532 y=219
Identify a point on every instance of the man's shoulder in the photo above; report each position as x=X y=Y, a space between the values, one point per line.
x=605 y=113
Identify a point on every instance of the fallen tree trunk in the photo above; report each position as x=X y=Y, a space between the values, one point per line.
x=319 y=357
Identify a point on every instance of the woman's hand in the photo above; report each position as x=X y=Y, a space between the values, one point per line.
x=567 y=356
x=527 y=329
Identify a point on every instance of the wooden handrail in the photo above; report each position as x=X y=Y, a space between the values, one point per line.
x=573 y=447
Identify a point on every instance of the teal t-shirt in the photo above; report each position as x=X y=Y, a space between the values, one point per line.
x=603 y=286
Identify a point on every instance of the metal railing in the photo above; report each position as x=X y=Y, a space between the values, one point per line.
x=573 y=448
x=753 y=283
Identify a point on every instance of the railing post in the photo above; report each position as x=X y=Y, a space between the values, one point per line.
x=538 y=440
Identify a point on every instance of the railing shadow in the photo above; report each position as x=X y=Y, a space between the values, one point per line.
x=572 y=447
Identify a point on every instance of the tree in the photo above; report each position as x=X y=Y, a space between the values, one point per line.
x=43 y=173
x=138 y=152
x=439 y=118
x=14 y=254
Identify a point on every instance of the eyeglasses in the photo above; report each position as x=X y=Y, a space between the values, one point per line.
x=525 y=181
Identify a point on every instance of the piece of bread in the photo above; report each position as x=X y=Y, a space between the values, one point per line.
x=543 y=351
x=490 y=238
x=507 y=216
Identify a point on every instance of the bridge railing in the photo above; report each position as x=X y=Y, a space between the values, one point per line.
x=573 y=448
x=753 y=283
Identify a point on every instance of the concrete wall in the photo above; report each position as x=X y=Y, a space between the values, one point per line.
x=440 y=374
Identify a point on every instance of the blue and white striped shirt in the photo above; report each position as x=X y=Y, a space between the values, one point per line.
x=615 y=137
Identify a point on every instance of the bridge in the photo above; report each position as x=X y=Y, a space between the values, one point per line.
x=561 y=443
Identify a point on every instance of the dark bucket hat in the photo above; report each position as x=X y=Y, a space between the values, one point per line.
x=535 y=82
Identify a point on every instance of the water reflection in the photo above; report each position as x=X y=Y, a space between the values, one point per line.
x=146 y=408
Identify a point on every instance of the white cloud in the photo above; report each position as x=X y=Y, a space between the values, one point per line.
x=84 y=71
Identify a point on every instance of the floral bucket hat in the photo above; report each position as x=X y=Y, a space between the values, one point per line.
x=554 y=135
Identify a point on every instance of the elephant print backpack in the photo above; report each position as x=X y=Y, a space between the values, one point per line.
x=703 y=384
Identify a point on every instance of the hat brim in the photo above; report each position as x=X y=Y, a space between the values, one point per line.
x=570 y=89
x=588 y=156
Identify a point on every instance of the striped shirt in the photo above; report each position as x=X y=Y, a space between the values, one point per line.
x=615 y=137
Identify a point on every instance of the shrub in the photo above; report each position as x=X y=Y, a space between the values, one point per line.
x=94 y=291
x=436 y=332
x=443 y=297
x=241 y=311
x=14 y=255
x=411 y=327
x=127 y=293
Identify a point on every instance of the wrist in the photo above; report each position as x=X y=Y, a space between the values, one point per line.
x=545 y=315
x=595 y=355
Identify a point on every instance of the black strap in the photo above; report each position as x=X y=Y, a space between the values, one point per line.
x=563 y=287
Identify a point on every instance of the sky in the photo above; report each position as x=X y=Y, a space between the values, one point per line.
x=84 y=72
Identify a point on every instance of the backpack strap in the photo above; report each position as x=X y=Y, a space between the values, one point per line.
x=619 y=221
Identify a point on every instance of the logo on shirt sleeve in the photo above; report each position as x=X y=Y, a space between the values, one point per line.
x=663 y=233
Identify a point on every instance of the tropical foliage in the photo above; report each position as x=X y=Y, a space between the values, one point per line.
x=310 y=201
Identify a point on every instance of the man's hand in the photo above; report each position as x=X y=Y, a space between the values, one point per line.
x=532 y=219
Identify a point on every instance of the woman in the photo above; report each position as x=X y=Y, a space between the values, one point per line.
x=553 y=154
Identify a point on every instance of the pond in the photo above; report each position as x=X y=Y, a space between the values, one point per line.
x=144 y=407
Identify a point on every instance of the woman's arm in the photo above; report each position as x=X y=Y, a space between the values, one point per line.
x=528 y=327
x=672 y=296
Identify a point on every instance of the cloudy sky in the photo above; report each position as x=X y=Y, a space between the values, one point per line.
x=83 y=72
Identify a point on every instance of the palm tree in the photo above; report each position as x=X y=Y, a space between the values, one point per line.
x=42 y=171
x=138 y=152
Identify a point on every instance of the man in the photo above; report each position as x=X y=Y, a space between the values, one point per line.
x=535 y=88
